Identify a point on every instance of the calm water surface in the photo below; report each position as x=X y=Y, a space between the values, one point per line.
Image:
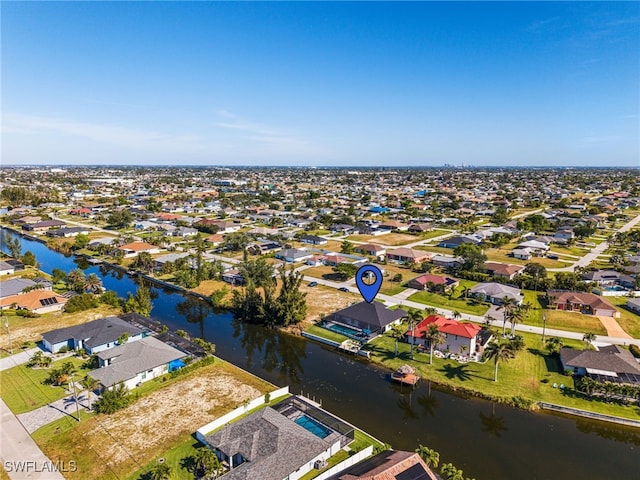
x=487 y=441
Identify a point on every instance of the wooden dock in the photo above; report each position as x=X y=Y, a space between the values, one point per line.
x=405 y=375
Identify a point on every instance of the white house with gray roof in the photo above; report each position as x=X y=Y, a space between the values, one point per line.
x=93 y=337
x=496 y=292
x=136 y=363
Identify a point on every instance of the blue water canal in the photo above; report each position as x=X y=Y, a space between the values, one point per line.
x=487 y=441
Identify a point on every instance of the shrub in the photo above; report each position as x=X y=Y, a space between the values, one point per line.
x=79 y=303
x=635 y=350
x=182 y=333
x=110 y=298
x=113 y=400
x=26 y=313
x=64 y=349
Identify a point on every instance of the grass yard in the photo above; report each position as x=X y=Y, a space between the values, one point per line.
x=389 y=239
x=31 y=329
x=324 y=333
x=323 y=300
x=530 y=375
x=119 y=445
x=180 y=459
x=501 y=255
x=629 y=321
x=462 y=305
x=23 y=390
x=207 y=287
x=570 y=321
x=434 y=233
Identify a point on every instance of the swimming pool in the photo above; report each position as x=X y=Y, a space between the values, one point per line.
x=313 y=426
x=344 y=330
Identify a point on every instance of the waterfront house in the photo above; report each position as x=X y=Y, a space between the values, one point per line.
x=496 y=292
x=36 y=301
x=606 y=278
x=6 y=268
x=433 y=283
x=371 y=319
x=68 y=232
x=460 y=337
x=279 y=442
x=586 y=303
x=610 y=364
x=633 y=304
x=44 y=226
x=135 y=248
x=388 y=465
x=17 y=286
x=535 y=247
x=93 y=337
x=134 y=363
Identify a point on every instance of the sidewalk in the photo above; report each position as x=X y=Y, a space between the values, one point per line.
x=17 y=359
x=21 y=457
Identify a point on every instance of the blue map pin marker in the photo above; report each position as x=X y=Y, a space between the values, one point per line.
x=369 y=281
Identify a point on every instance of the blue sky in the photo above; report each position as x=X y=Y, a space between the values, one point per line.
x=419 y=83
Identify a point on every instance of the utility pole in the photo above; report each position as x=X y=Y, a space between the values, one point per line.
x=544 y=326
x=75 y=395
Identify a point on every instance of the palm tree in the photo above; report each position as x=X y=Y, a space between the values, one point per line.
x=90 y=384
x=508 y=306
x=499 y=351
x=76 y=280
x=450 y=472
x=554 y=344
x=517 y=343
x=160 y=471
x=428 y=455
x=93 y=283
x=415 y=317
x=397 y=332
x=434 y=337
x=456 y=314
x=589 y=338
x=207 y=462
x=519 y=313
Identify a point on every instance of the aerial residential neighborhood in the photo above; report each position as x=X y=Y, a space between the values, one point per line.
x=320 y=241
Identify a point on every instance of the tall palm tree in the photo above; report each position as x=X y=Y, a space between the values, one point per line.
x=76 y=280
x=93 y=283
x=160 y=471
x=589 y=338
x=397 y=332
x=434 y=337
x=499 y=351
x=520 y=313
x=428 y=455
x=456 y=314
x=415 y=317
x=507 y=307
x=90 y=384
x=554 y=344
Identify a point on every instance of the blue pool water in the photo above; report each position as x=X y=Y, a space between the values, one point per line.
x=342 y=329
x=313 y=426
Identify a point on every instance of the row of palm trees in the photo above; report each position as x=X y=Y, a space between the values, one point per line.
x=76 y=280
x=432 y=459
x=609 y=390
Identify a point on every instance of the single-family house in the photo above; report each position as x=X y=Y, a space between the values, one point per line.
x=433 y=283
x=586 y=303
x=522 y=253
x=633 y=304
x=134 y=363
x=371 y=249
x=170 y=257
x=102 y=241
x=17 y=286
x=313 y=240
x=264 y=247
x=609 y=364
x=503 y=270
x=458 y=240
x=394 y=226
x=408 y=255
x=292 y=255
x=135 y=248
x=388 y=465
x=184 y=232
x=447 y=261
x=68 y=232
x=608 y=278
x=371 y=319
x=215 y=239
x=36 y=301
x=420 y=227
x=276 y=443
x=460 y=337
x=93 y=337
x=6 y=268
x=496 y=292
x=536 y=247
x=342 y=228
x=43 y=226
x=233 y=276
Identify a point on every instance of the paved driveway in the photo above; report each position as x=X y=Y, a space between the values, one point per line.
x=42 y=416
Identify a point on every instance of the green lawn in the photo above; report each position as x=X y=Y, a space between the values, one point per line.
x=434 y=233
x=629 y=321
x=324 y=333
x=23 y=390
x=462 y=305
x=392 y=289
x=530 y=375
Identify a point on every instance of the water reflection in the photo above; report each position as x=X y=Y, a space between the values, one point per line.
x=610 y=432
x=194 y=311
x=282 y=354
x=493 y=424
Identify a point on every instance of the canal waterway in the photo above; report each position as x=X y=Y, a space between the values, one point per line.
x=487 y=441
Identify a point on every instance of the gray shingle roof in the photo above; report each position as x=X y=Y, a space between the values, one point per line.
x=94 y=333
x=613 y=360
x=497 y=290
x=14 y=286
x=273 y=445
x=133 y=358
x=372 y=316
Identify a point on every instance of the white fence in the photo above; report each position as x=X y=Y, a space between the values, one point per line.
x=202 y=432
x=616 y=293
x=352 y=460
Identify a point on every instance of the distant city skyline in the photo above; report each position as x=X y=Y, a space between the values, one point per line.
x=321 y=84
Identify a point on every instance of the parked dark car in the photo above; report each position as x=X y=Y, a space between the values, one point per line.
x=343 y=289
x=312 y=284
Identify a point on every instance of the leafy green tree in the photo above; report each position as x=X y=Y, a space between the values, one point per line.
x=140 y=302
x=113 y=399
x=207 y=463
x=124 y=338
x=81 y=241
x=217 y=296
x=120 y=219
x=291 y=303
x=235 y=241
x=397 y=333
x=81 y=302
x=472 y=257
x=347 y=247
x=345 y=271
x=58 y=276
x=588 y=338
x=29 y=258
x=259 y=271
x=143 y=262
x=14 y=246
x=110 y=298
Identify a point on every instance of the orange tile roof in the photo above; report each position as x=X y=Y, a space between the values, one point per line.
x=31 y=300
x=138 y=246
